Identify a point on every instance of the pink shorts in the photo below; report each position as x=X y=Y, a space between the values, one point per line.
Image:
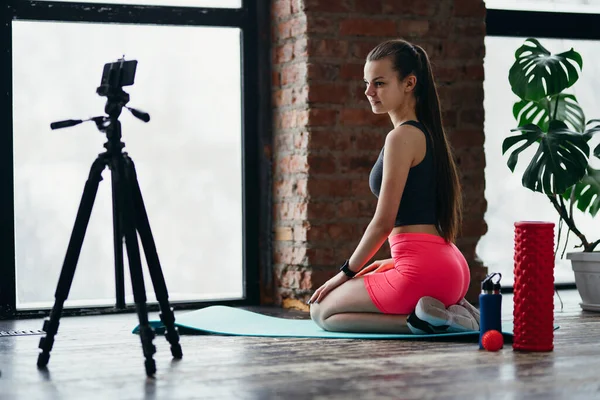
x=424 y=265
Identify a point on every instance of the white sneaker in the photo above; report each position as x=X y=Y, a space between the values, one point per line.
x=431 y=316
x=474 y=311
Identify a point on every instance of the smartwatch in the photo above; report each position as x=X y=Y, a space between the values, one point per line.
x=346 y=270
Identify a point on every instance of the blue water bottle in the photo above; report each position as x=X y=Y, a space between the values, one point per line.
x=490 y=306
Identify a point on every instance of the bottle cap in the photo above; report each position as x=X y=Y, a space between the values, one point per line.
x=488 y=285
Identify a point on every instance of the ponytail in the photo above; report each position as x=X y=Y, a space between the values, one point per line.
x=412 y=59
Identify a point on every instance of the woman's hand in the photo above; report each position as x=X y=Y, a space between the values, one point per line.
x=376 y=266
x=327 y=287
x=381 y=263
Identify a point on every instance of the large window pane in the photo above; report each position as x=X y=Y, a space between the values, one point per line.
x=173 y=3
x=508 y=201
x=188 y=157
x=574 y=6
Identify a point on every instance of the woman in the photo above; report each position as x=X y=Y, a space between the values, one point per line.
x=422 y=288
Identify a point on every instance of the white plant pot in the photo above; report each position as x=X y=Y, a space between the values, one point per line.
x=586 y=267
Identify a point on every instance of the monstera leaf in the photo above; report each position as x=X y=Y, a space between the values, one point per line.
x=539 y=112
x=592 y=131
x=560 y=161
x=594 y=127
x=537 y=74
x=587 y=192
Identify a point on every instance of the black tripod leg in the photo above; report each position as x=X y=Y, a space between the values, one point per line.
x=160 y=288
x=70 y=262
x=127 y=209
x=118 y=243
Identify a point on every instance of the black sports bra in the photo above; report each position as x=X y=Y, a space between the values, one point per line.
x=417 y=205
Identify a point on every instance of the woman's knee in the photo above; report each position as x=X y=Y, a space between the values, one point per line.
x=316 y=314
x=319 y=315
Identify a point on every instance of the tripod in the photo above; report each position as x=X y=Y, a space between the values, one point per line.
x=129 y=219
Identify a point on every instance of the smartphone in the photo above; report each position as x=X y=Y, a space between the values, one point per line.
x=118 y=74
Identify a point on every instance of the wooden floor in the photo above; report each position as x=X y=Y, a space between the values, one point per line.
x=97 y=357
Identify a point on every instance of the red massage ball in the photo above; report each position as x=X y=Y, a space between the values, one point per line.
x=492 y=340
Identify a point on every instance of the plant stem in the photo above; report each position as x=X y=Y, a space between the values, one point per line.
x=555 y=107
x=560 y=224
x=562 y=205
x=566 y=242
x=563 y=213
x=571 y=204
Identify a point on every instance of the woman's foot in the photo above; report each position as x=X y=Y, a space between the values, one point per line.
x=431 y=316
x=470 y=308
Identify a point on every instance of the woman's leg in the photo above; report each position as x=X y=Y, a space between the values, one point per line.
x=349 y=308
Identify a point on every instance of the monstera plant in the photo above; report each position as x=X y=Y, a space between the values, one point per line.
x=554 y=122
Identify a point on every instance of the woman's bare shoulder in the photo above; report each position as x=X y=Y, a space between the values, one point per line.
x=405 y=135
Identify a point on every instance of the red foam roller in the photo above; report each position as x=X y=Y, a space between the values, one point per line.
x=534 y=286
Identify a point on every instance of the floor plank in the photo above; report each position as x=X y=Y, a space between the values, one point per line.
x=96 y=357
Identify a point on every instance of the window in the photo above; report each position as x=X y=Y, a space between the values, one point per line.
x=562 y=6
x=508 y=201
x=195 y=159
x=184 y=3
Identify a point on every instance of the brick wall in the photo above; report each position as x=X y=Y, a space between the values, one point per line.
x=326 y=138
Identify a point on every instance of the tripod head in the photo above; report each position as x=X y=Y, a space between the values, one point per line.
x=114 y=76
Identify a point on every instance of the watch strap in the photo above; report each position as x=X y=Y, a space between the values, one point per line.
x=345 y=268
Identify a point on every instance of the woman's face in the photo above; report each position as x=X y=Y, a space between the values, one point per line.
x=384 y=90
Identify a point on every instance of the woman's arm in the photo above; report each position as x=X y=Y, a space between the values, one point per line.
x=401 y=145
x=400 y=148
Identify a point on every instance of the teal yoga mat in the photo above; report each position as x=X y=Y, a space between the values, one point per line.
x=223 y=320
